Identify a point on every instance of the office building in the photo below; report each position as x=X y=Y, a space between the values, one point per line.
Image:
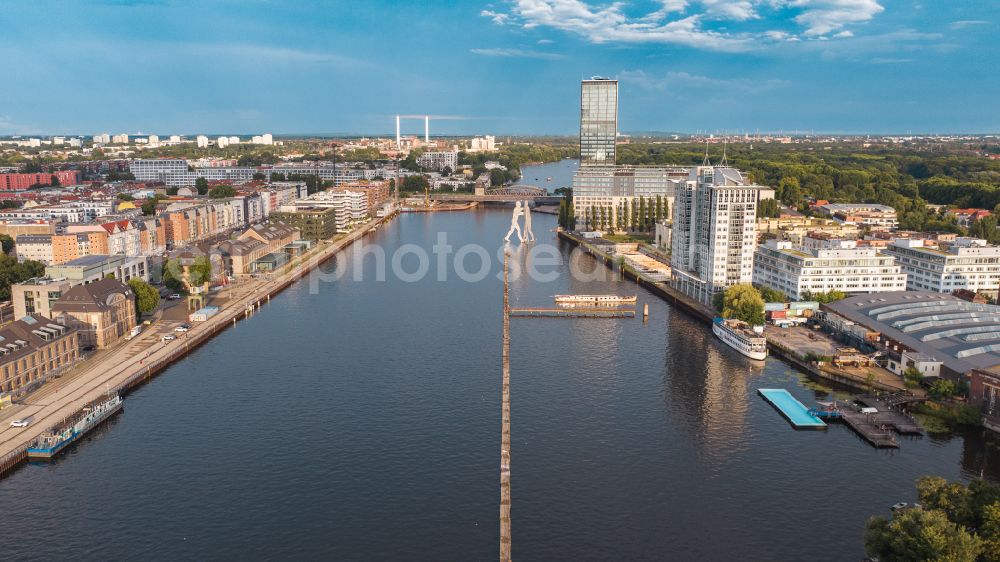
x=31 y=349
x=96 y=267
x=598 y=121
x=103 y=312
x=966 y=263
x=841 y=266
x=37 y=295
x=609 y=198
x=714 y=232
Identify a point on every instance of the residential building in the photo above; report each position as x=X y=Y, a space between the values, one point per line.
x=314 y=223
x=21 y=182
x=259 y=242
x=876 y=217
x=120 y=139
x=796 y=228
x=795 y=271
x=350 y=206
x=965 y=217
x=483 y=144
x=614 y=193
x=202 y=141
x=36 y=295
x=438 y=161
x=17 y=227
x=714 y=232
x=103 y=138
x=33 y=348
x=34 y=247
x=598 y=121
x=102 y=312
x=164 y=170
x=966 y=263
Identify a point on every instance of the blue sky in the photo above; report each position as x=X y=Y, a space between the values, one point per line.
x=503 y=67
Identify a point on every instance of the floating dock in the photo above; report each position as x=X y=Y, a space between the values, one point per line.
x=575 y=312
x=794 y=411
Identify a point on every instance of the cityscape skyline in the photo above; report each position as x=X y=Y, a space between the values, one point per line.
x=847 y=67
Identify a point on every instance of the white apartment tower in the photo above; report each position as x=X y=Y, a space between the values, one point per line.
x=714 y=232
x=598 y=121
x=202 y=141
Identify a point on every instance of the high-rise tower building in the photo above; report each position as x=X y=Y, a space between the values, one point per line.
x=714 y=232
x=598 y=121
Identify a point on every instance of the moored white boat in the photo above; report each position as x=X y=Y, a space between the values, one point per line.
x=741 y=337
x=595 y=299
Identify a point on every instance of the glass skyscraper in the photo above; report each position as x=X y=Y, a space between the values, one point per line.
x=598 y=121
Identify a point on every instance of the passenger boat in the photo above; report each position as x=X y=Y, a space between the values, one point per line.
x=594 y=300
x=52 y=442
x=741 y=337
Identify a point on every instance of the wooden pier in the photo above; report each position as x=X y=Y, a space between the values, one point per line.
x=891 y=416
x=505 y=425
x=575 y=312
x=868 y=427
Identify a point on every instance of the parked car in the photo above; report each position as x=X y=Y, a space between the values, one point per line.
x=169 y=337
x=174 y=297
x=23 y=422
x=181 y=329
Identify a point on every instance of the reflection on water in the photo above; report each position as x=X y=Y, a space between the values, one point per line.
x=362 y=421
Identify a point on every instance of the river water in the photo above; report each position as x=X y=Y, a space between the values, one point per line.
x=361 y=421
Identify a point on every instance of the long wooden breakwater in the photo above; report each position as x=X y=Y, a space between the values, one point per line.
x=129 y=378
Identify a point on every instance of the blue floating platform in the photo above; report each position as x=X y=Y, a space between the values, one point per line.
x=797 y=414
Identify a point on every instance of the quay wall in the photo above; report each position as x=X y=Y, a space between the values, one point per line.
x=12 y=455
x=706 y=314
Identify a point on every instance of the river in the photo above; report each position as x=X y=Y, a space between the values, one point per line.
x=361 y=421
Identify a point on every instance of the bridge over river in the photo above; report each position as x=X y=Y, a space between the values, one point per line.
x=502 y=194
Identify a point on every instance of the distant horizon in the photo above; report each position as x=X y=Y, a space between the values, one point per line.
x=632 y=134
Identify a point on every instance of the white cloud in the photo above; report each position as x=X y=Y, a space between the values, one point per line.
x=684 y=82
x=821 y=17
x=967 y=23
x=497 y=17
x=519 y=53
x=886 y=60
x=682 y=22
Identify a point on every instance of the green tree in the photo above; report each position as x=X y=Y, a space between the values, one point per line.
x=768 y=208
x=147 y=298
x=54 y=181
x=8 y=243
x=415 y=183
x=12 y=272
x=913 y=377
x=201 y=184
x=222 y=192
x=199 y=272
x=743 y=302
x=149 y=207
x=918 y=534
x=171 y=191
x=447 y=171
x=771 y=295
x=125 y=197
x=173 y=275
x=942 y=388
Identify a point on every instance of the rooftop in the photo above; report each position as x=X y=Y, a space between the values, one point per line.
x=963 y=335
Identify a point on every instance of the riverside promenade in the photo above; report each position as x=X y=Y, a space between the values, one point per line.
x=129 y=365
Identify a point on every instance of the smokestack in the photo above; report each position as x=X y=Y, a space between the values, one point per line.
x=399 y=143
x=427 y=128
